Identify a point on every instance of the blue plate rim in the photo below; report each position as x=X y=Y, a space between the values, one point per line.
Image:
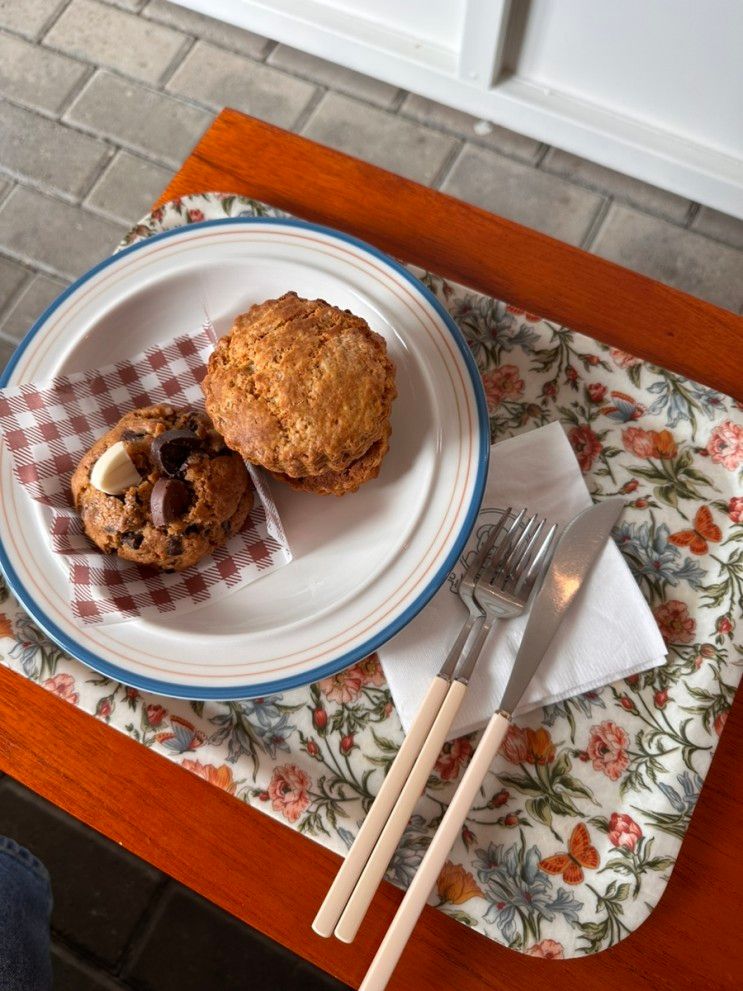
x=206 y=693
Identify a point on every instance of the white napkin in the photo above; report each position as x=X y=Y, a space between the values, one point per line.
x=609 y=633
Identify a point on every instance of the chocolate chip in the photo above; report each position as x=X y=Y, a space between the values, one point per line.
x=168 y=500
x=192 y=528
x=227 y=526
x=132 y=539
x=132 y=435
x=171 y=449
x=174 y=547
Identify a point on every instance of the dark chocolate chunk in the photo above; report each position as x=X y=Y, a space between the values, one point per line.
x=192 y=528
x=174 y=547
x=132 y=435
x=169 y=499
x=132 y=539
x=171 y=449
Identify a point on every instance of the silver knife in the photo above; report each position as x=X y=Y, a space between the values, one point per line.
x=581 y=542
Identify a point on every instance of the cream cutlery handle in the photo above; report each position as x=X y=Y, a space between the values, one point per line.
x=371 y=876
x=417 y=894
x=350 y=869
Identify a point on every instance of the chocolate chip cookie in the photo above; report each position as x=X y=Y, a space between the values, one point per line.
x=300 y=387
x=161 y=488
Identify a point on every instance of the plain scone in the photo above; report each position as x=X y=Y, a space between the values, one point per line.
x=304 y=389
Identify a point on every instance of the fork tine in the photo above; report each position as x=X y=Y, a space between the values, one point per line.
x=519 y=565
x=515 y=553
x=476 y=567
x=527 y=582
x=505 y=548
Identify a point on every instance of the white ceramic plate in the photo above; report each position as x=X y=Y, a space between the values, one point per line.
x=363 y=565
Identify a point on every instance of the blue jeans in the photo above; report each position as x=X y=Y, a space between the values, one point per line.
x=25 y=907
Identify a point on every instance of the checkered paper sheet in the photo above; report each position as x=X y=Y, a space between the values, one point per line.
x=49 y=427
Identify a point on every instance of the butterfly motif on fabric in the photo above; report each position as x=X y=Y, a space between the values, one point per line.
x=580 y=853
x=704 y=532
x=623 y=408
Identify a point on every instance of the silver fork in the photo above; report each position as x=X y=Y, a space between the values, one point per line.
x=498 y=589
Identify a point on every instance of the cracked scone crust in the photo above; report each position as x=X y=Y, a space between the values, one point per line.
x=300 y=387
x=340 y=483
x=219 y=486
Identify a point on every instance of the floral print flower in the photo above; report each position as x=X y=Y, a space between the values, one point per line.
x=725 y=445
x=623 y=831
x=515 y=747
x=586 y=445
x=289 y=791
x=502 y=383
x=607 y=749
x=596 y=392
x=622 y=359
x=735 y=509
x=345 y=686
x=674 y=622
x=220 y=776
x=548 y=949
x=638 y=441
x=155 y=714
x=452 y=756
x=6 y=627
x=455 y=885
x=62 y=685
x=371 y=671
x=528 y=746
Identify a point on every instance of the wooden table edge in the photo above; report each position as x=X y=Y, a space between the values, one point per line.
x=258 y=870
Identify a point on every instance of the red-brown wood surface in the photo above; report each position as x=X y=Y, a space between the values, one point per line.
x=241 y=155
x=270 y=876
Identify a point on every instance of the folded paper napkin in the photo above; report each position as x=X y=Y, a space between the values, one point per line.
x=49 y=426
x=609 y=633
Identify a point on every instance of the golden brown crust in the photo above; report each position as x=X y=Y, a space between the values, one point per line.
x=221 y=495
x=300 y=387
x=340 y=483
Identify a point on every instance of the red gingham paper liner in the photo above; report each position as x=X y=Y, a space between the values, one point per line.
x=49 y=427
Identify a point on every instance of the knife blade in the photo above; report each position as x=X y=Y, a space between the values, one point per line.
x=576 y=552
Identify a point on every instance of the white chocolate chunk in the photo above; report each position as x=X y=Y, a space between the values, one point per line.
x=114 y=472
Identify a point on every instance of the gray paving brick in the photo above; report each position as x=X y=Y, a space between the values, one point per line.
x=73 y=974
x=12 y=277
x=45 y=152
x=721 y=226
x=6 y=350
x=622 y=187
x=107 y=36
x=28 y=17
x=219 y=79
x=523 y=194
x=133 y=5
x=140 y=118
x=100 y=891
x=73 y=239
x=463 y=126
x=225 y=35
x=380 y=138
x=128 y=187
x=36 y=76
x=193 y=946
x=30 y=304
x=673 y=255
x=334 y=76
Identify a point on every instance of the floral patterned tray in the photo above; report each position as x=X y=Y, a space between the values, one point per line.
x=620 y=768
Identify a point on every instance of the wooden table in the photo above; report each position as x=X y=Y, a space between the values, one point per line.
x=247 y=862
